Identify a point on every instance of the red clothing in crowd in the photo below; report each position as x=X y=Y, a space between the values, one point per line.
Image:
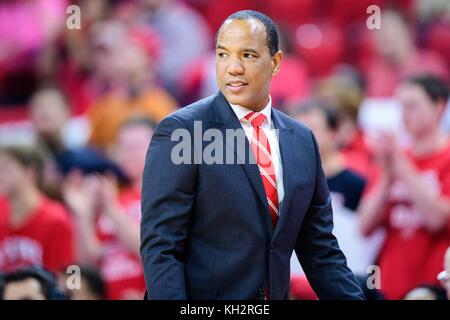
x=46 y=238
x=359 y=158
x=411 y=255
x=301 y=289
x=120 y=268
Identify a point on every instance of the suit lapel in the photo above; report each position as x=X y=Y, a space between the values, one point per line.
x=224 y=118
x=286 y=151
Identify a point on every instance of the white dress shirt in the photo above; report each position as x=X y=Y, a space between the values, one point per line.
x=272 y=136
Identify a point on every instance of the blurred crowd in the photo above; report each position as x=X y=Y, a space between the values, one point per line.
x=78 y=108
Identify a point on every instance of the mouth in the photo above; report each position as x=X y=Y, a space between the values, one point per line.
x=236 y=85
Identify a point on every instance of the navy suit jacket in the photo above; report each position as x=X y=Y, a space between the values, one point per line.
x=206 y=231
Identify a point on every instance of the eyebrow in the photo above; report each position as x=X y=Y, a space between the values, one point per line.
x=244 y=49
x=221 y=47
x=251 y=50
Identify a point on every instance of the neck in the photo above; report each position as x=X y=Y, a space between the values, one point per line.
x=260 y=106
x=257 y=109
x=429 y=143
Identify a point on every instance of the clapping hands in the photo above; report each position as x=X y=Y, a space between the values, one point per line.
x=86 y=195
x=389 y=155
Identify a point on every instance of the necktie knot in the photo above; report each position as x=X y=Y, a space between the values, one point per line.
x=255 y=118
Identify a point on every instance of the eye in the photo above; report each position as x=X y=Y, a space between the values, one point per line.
x=249 y=56
x=221 y=54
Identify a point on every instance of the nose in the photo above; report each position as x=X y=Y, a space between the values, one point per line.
x=235 y=68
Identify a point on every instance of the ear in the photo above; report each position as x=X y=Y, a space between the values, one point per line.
x=276 y=62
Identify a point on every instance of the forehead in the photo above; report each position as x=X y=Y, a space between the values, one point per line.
x=48 y=104
x=135 y=132
x=411 y=91
x=242 y=33
x=29 y=286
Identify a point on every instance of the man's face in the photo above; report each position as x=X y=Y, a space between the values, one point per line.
x=27 y=289
x=12 y=175
x=49 y=114
x=132 y=144
x=420 y=115
x=244 y=66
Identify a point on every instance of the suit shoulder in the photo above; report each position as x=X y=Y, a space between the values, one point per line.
x=198 y=110
x=290 y=122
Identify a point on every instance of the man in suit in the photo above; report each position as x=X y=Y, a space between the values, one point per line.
x=227 y=231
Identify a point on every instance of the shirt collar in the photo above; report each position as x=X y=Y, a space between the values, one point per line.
x=241 y=112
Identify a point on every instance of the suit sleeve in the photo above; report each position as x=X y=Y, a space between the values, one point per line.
x=168 y=193
x=317 y=249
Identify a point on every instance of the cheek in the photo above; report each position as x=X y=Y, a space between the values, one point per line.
x=220 y=72
x=124 y=160
x=9 y=179
x=132 y=160
x=260 y=75
x=41 y=120
x=419 y=122
x=48 y=123
x=410 y=118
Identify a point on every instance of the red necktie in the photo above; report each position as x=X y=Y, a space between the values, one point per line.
x=261 y=150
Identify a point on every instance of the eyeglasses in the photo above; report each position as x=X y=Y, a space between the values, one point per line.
x=443 y=277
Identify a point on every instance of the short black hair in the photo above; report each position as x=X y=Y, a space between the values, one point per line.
x=45 y=278
x=94 y=281
x=434 y=87
x=331 y=114
x=271 y=30
x=438 y=292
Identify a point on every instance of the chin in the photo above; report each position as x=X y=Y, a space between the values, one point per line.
x=240 y=101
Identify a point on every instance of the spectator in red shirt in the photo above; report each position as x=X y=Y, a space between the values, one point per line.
x=34 y=230
x=109 y=219
x=411 y=198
